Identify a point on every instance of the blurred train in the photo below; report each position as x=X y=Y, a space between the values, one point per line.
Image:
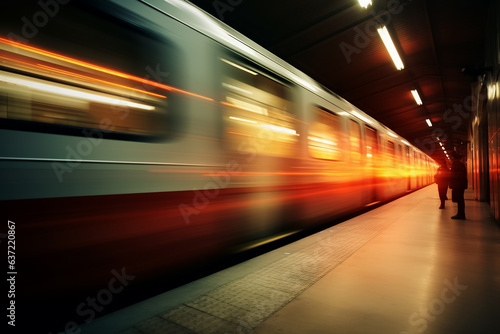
x=146 y=136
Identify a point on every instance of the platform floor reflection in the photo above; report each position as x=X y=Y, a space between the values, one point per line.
x=405 y=267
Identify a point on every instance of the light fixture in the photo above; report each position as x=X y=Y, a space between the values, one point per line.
x=416 y=97
x=429 y=123
x=389 y=45
x=365 y=3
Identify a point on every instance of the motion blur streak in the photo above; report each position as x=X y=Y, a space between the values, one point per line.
x=76 y=75
x=71 y=92
x=98 y=68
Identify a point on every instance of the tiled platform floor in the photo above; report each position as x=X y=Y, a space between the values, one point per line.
x=405 y=267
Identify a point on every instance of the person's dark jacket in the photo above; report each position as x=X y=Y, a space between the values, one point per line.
x=458 y=179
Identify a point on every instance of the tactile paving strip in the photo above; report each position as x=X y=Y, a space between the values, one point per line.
x=241 y=305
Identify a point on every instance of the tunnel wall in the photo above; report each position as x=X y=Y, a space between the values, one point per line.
x=487 y=124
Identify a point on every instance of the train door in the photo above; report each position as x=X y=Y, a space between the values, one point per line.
x=418 y=163
x=371 y=144
x=407 y=165
x=260 y=135
x=416 y=167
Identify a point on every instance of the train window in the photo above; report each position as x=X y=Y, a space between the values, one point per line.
x=325 y=135
x=355 y=137
x=110 y=75
x=371 y=144
x=391 y=151
x=257 y=105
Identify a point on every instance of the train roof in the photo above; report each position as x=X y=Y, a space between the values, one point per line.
x=203 y=22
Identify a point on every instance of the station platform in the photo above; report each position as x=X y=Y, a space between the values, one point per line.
x=405 y=267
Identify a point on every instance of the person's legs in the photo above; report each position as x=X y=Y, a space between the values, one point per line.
x=442 y=195
x=458 y=196
x=461 y=205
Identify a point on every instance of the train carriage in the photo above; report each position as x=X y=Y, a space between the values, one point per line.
x=149 y=136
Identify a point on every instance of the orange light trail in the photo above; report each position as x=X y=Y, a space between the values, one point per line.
x=228 y=104
x=98 y=68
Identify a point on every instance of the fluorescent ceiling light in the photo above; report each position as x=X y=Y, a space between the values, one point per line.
x=389 y=45
x=416 y=97
x=365 y=3
x=429 y=122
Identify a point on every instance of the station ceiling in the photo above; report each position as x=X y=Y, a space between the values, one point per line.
x=441 y=43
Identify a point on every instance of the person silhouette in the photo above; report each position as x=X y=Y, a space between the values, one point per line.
x=458 y=184
x=442 y=178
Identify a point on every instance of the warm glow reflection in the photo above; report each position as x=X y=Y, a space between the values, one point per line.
x=242 y=120
x=328 y=142
x=369 y=151
x=324 y=135
x=232 y=102
x=80 y=94
x=280 y=129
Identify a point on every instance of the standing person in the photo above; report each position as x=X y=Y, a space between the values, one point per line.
x=458 y=184
x=442 y=178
